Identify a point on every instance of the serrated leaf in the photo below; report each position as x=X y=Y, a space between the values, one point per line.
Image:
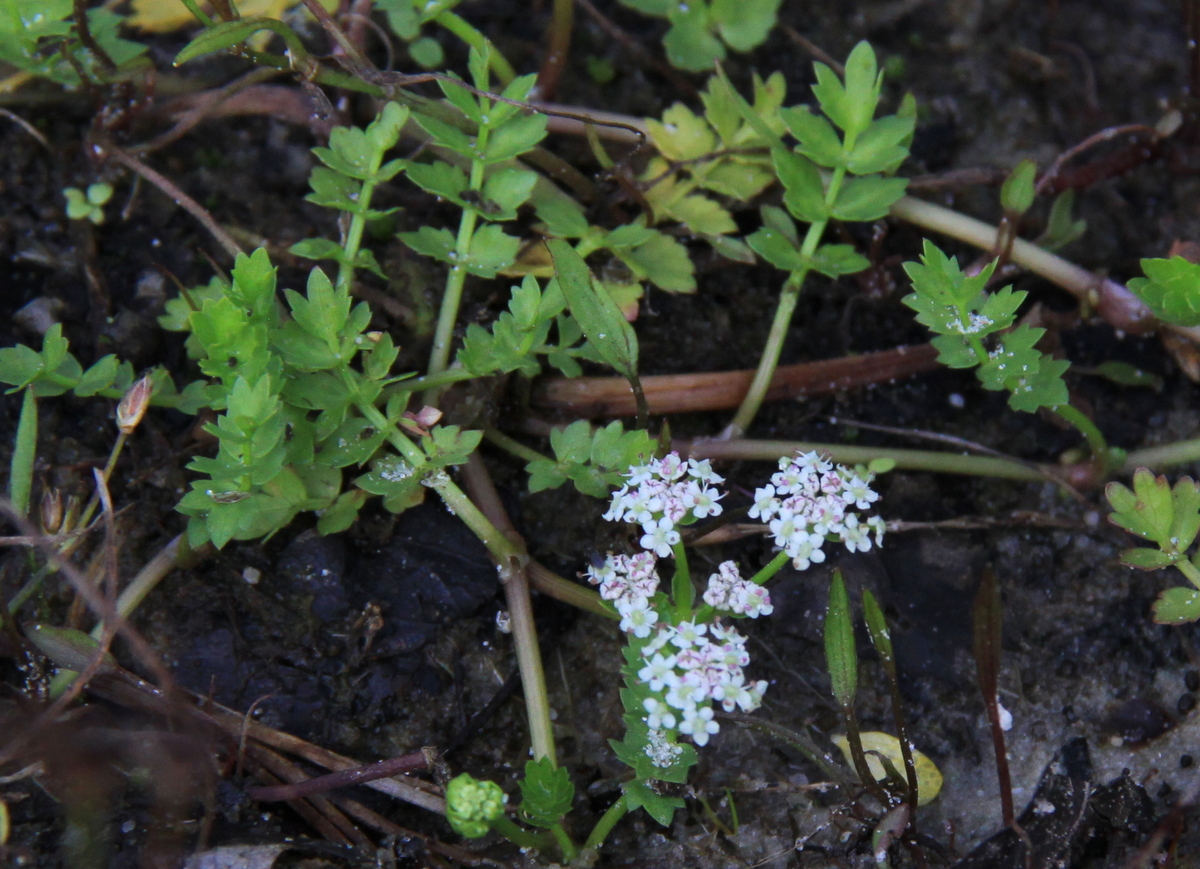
x=818 y=140
x=640 y=795
x=1045 y=388
x=1177 y=606
x=546 y=793
x=1171 y=289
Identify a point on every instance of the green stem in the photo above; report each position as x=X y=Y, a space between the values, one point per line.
x=776 y=565
x=569 y=851
x=1178 y=453
x=24 y=455
x=519 y=836
x=439 y=358
x=682 y=591
x=768 y=362
x=908 y=460
x=606 y=823
x=1087 y=428
x=498 y=546
x=514 y=446
x=1189 y=570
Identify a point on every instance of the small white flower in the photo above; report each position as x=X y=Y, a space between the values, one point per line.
x=636 y=616
x=704 y=501
x=689 y=634
x=660 y=538
x=766 y=505
x=659 y=673
x=702 y=471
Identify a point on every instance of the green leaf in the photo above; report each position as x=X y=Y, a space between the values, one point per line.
x=1146 y=559
x=1177 y=606
x=491 y=250
x=514 y=137
x=869 y=198
x=1017 y=192
x=818 y=140
x=882 y=147
x=546 y=793
x=1124 y=374
x=228 y=34
x=861 y=95
x=776 y=248
x=640 y=794
x=440 y=179
x=744 y=25
x=661 y=260
x=877 y=626
x=840 y=654
x=838 y=259
x=427 y=52
x=1148 y=510
x=599 y=317
x=1171 y=289
x=24 y=454
x=689 y=44
x=1045 y=388
x=804 y=194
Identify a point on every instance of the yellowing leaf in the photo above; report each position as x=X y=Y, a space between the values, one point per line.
x=165 y=16
x=929 y=777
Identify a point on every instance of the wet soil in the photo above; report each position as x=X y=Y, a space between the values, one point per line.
x=382 y=640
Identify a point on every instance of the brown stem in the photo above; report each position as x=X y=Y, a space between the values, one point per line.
x=181 y=199
x=380 y=769
x=682 y=393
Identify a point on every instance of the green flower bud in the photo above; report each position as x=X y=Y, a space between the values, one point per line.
x=471 y=805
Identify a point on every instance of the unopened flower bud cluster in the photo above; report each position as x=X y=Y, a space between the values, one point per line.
x=810 y=500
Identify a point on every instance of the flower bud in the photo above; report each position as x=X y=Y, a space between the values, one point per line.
x=133 y=405
x=52 y=511
x=471 y=805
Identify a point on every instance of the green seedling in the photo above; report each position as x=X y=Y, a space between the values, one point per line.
x=89 y=205
x=38 y=36
x=701 y=29
x=1169 y=517
x=407 y=19
x=828 y=176
x=976 y=329
x=1171 y=289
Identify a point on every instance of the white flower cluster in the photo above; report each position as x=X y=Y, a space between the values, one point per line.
x=688 y=666
x=663 y=495
x=809 y=501
x=729 y=592
x=629 y=581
